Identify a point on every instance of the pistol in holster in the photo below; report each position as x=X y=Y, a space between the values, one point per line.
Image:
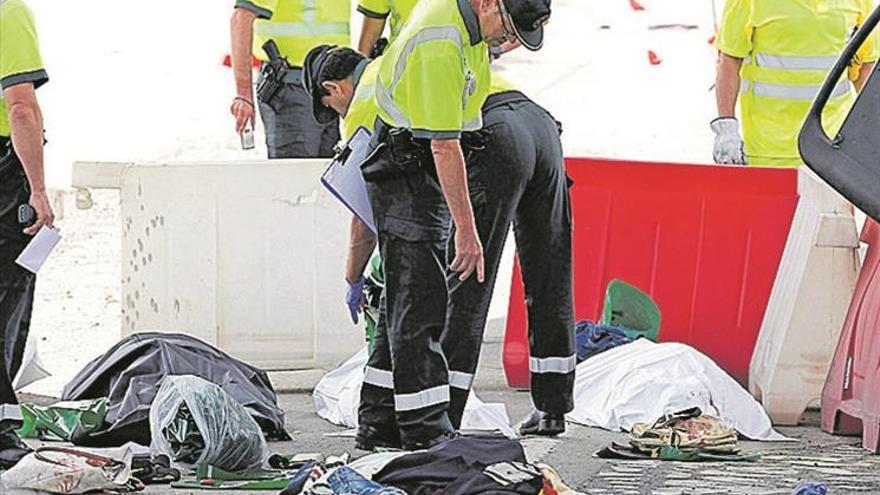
x=272 y=74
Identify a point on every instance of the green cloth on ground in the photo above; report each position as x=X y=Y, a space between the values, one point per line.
x=59 y=421
x=274 y=484
x=207 y=471
x=213 y=478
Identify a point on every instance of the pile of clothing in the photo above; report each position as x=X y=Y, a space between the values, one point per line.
x=465 y=465
x=687 y=435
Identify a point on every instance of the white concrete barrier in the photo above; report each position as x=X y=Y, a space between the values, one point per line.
x=249 y=257
x=808 y=303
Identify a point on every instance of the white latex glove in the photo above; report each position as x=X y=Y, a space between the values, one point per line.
x=728 y=143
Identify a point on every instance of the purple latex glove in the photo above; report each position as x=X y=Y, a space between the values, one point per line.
x=355 y=298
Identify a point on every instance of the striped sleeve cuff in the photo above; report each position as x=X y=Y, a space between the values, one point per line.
x=37 y=77
x=438 y=135
x=369 y=13
x=256 y=9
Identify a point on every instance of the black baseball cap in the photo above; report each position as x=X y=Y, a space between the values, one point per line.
x=311 y=81
x=527 y=18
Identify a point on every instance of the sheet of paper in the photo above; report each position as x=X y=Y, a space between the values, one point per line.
x=39 y=249
x=345 y=181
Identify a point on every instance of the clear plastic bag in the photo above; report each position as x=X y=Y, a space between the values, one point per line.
x=195 y=422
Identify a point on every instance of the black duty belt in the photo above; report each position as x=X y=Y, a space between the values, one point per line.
x=497 y=99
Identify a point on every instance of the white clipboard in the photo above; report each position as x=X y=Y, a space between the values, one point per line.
x=344 y=180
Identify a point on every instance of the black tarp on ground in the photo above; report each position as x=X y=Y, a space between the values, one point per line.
x=130 y=375
x=849 y=162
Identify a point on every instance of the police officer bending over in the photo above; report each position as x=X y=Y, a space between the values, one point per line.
x=440 y=53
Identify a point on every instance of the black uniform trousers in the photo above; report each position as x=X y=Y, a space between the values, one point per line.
x=16 y=283
x=406 y=390
x=291 y=128
x=516 y=173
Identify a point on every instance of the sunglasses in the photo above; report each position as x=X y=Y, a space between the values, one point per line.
x=508 y=32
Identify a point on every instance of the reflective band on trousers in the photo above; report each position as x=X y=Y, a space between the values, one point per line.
x=789 y=62
x=10 y=412
x=553 y=364
x=378 y=378
x=461 y=380
x=425 y=398
x=301 y=29
x=384 y=95
x=385 y=379
x=789 y=92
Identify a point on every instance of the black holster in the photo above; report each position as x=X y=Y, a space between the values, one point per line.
x=405 y=154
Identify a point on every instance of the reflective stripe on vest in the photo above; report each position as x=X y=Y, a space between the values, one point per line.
x=789 y=92
x=418 y=400
x=273 y=29
x=789 y=62
x=310 y=27
x=384 y=95
x=553 y=365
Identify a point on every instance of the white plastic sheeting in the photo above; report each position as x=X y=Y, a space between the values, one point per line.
x=338 y=394
x=641 y=381
x=32 y=369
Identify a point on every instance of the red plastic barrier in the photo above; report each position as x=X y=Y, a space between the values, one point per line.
x=851 y=397
x=704 y=241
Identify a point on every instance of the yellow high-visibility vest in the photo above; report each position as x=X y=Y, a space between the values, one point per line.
x=434 y=79
x=20 y=60
x=297 y=26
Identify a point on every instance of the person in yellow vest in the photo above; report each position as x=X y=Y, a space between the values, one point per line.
x=295 y=26
x=774 y=57
x=376 y=14
x=429 y=88
x=342 y=82
x=21 y=184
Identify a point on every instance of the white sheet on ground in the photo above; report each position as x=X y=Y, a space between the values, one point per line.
x=338 y=393
x=642 y=381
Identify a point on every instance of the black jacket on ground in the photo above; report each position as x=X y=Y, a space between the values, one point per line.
x=464 y=466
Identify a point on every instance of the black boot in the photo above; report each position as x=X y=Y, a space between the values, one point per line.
x=541 y=423
x=370 y=438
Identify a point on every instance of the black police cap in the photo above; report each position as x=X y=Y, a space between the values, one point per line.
x=528 y=18
x=311 y=81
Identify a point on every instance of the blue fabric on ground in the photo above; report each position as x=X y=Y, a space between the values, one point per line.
x=347 y=481
x=594 y=338
x=810 y=488
x=298 y=480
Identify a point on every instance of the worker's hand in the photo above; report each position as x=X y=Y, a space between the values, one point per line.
x=244 y=112
x=728 y=143
x=40 y=202
x=355 y=298
x=468 y=254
